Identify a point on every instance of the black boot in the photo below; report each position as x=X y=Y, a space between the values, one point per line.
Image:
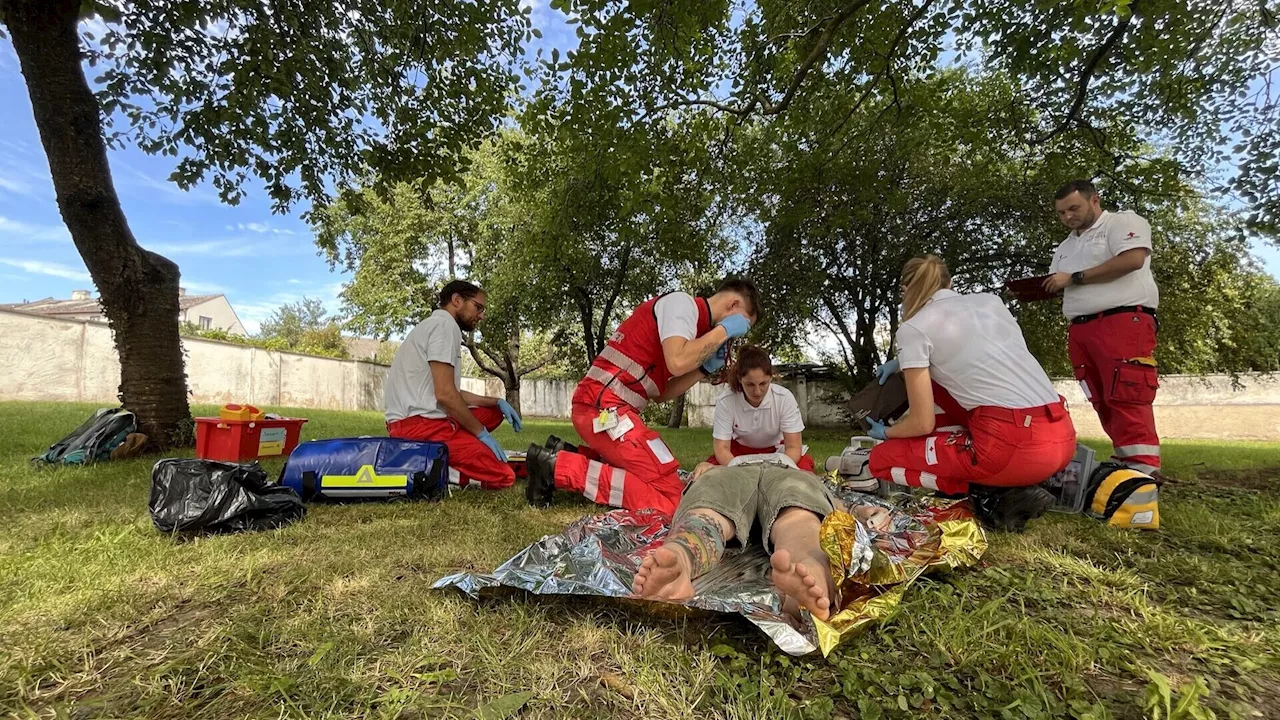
x=555 y=444
x=1010 y=509
x=541 y=466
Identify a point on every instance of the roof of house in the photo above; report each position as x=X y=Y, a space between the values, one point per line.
x=50 y=306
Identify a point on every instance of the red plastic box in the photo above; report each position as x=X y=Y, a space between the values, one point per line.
x=241 y=440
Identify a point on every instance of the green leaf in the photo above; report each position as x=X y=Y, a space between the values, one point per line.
x=503 y=707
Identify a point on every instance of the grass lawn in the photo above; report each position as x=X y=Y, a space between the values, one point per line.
x=102 y=616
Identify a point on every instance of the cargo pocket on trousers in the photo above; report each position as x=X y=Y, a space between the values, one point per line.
x=1135 y=383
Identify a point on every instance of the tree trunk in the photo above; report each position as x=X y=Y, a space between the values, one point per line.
x=513 y=394
x=138 y=289
x=677 y=412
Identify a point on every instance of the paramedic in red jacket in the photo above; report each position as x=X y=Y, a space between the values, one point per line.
x=966 y=355
x=425 y=400
x=667 y=345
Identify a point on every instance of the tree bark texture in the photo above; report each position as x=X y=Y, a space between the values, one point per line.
x=138 y=288
x=677 y=412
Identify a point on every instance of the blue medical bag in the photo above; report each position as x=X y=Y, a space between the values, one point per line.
x=368 y=467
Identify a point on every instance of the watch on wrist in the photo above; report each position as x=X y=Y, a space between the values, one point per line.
x=1077 y=278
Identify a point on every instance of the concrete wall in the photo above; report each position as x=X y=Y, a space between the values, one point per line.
x=48 y=359
x=65 y=360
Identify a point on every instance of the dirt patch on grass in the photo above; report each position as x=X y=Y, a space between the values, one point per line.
x=1260 y=480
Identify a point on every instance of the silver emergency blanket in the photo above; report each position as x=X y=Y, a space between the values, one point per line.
x=877 y=547
x=600 y=554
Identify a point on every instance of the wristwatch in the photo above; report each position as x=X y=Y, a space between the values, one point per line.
x=1077 y=278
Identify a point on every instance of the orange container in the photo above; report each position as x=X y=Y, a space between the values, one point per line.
x=241 y=440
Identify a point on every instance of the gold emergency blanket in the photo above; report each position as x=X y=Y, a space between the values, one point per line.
x=924 y=534
x=873 y=564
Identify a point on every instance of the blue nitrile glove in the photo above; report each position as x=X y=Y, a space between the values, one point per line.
x=735 y=325
x=487 y=439
x=878 y=430
x=717 y=361
x=884 y=371
x=511 y=415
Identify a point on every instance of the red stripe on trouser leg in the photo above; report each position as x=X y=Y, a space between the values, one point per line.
x=1006 y=448
x=629 y=463
x=471 y=459
x=1121 y=392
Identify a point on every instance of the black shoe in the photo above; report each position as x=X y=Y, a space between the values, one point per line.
x=1011 y=509
x=555 y=444
x=541 y=466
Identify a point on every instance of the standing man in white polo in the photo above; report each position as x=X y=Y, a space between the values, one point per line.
x=1103 y=270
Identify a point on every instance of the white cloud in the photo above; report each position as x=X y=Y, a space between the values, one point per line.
x=295 y=281
x=15 y=186
x=30 y=232
x=40 y=267
x=202 y=288
x=260 y=228
x=220 y=248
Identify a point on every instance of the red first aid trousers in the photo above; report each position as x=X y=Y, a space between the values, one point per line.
x=1113 y=357
x=738 y=450
x=470 y=461
x=1000 y=447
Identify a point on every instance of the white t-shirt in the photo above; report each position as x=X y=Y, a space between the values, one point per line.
x=677 y=316
x=974 y=348
x=410 y=388
x=764 y=459
x=760 y=427
x=1110 y=235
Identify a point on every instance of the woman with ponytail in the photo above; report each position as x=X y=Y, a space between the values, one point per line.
x=964 y=358
x=757 y=417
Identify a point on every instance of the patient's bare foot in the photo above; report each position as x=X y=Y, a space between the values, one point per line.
x=664 y=575
x=809 y=589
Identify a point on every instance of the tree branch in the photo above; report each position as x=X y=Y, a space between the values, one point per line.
x=819 y=50
x=617 y=290
x=1086 y=76
x=470 y=344
x=553 y=349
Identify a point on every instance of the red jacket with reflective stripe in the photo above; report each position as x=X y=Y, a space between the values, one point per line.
x=631 y=369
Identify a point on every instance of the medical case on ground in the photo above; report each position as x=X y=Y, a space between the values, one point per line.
x=218 y=438
x=368 y=467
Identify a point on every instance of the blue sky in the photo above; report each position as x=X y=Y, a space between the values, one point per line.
x=259 y=260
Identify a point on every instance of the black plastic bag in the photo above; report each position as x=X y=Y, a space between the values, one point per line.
x=93 y=440
x=189 y=495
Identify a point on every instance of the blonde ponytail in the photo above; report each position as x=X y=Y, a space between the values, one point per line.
x=921 y=278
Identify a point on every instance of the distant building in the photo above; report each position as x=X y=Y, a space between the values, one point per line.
x=206 y=312
x=370 y=349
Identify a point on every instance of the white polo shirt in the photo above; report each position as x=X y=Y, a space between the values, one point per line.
x=974 y=348
x=1110 y=235
x=410 y=389
x=757 y=427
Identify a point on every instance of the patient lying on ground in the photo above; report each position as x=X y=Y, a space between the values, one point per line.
x=781 y=506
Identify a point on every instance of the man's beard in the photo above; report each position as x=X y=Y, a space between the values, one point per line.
x=466 y=325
